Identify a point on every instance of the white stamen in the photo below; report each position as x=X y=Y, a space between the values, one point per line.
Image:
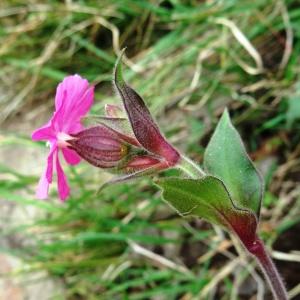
x=62 y=139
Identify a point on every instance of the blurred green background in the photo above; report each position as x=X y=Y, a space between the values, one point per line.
x=189 y=59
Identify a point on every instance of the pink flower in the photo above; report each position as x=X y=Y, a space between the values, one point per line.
x=73 y=100
x=126 y=141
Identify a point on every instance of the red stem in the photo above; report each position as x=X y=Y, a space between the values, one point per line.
x=277 y=286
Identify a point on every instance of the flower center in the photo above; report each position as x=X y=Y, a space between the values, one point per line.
x=62 y=139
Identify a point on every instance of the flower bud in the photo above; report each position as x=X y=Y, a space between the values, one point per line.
x=100 y=146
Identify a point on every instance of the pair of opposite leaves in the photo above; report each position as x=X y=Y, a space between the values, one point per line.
x=230 y=195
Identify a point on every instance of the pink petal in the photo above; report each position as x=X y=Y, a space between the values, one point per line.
x=43 y=133
x=58 y=119
x=49 y=170
x=75 y=128
x=46 y=178
x=62 y=183
x=63 y=120
x=43 y=187
x=71 y=157
x=74 y=85
x=79 y=108
x=84 y=103
x=73 y=100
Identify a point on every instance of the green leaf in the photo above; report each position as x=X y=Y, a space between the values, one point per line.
x=208 y=198
x=225 y=157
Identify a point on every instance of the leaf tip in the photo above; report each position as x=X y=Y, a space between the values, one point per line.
x=225 y=115
x=118 y=75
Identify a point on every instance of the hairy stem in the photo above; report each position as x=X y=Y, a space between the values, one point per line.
x=190 y=168
x=277 y=286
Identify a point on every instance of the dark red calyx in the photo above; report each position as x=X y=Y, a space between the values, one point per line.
x=100 y=146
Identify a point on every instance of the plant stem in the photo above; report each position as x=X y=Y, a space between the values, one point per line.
x=277 y=286
x=190 y=168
